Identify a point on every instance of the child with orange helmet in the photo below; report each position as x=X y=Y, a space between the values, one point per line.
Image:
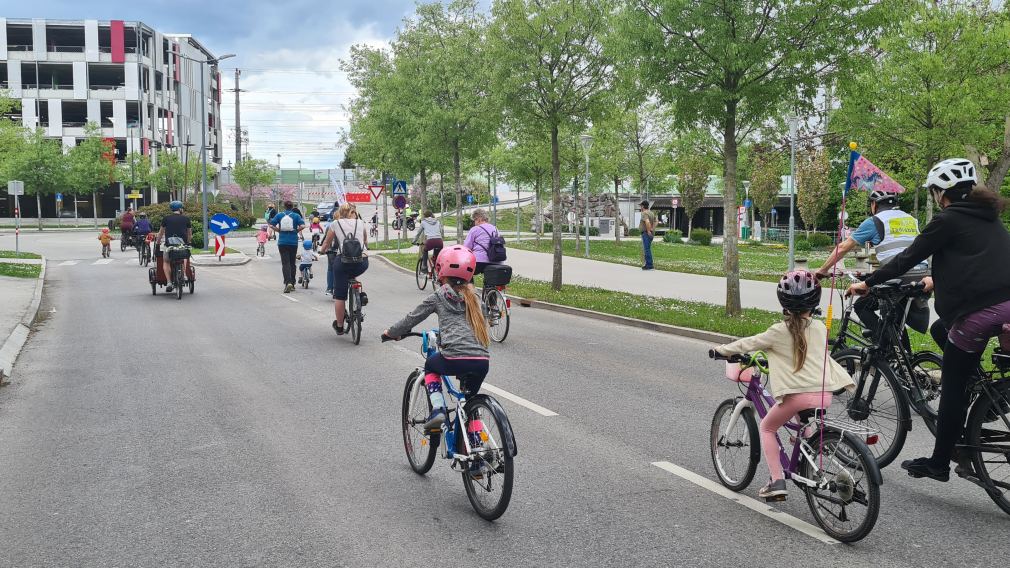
x=106 y=239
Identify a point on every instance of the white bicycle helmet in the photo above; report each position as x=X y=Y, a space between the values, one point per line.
x=883 y=198
x=950 y=173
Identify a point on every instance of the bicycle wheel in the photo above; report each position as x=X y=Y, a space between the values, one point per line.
x=497 y=315
x=488 y=477
x=419 y=445
x=881 y=407
x=926 y=367
x=122 y=244
x=987 y=428
x=735 y=454
x=354 y=314
x=421 y=274
x=178 y=279
x=140 y=256
x=305 y=279
x=847 y=500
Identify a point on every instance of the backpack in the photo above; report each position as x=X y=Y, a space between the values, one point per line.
x=287 y=223
x=351 y=250
x=495 y=248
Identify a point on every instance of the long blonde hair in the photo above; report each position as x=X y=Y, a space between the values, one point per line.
x=346 y=211
x=474 y=313
x=796 y=323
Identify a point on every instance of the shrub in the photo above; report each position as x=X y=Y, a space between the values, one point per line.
x=701 y=236
x=820 y=240
x=672 y=237
x=802 y=244
x=467 y=222
x=634 y=233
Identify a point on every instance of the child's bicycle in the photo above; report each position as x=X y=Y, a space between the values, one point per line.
x=482 y=452
x=261 y=249
x=832 y=465
x=306 y=270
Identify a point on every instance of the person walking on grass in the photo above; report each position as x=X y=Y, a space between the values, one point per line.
x=288 y=224
x=648 y=228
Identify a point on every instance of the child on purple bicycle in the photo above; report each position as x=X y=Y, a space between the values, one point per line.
x=796 y=350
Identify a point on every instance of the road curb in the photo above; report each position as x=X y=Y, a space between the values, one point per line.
x=212 y=260
x=17 y=338
x=711 y=336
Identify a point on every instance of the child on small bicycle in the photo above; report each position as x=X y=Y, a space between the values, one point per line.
x=797 y=379
x=463 y=335
x=263 y=236
x=306 y=258
x=106 y=239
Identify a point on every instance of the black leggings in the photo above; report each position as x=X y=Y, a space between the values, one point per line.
x=958 y=371
x=471 y=372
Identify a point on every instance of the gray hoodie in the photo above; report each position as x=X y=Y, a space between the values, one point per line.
x=431 y=227
x=456 y=337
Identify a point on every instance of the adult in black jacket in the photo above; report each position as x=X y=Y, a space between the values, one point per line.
x=971 y=274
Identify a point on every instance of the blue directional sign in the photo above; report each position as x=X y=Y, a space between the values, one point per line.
x=221 y=224
x=469 y=199
x=746 y=202
x=494 y=200
x=400 y=187
x=59 y=197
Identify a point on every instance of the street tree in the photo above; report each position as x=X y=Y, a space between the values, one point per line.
x=90 y=167
x=813 y=187
x=135 y=171
x=935 y=87
x=552 y=69
x=766 y=179
x=693 y=170
x=732 y=66
x=252 y=175
x=41 y=165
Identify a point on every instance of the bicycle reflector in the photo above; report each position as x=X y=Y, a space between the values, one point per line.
x=872 y=439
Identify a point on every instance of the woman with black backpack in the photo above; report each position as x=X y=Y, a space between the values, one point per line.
x=485 y=241
x=346 y=235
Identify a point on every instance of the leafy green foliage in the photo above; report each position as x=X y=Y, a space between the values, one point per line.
x=813 y=187
x=820 y=240
x=252 y=175
x=701 y=236
x=90 y=169
x=672 y=236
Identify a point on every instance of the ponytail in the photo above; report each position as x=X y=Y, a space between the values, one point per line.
x=982 y=195
x=797 y=324
x=474 y=313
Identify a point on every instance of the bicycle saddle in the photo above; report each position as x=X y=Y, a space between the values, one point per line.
x=806 y=415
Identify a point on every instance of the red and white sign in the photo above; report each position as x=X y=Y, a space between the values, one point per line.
x=376 y=190
x=358 y=197
x=219 y=247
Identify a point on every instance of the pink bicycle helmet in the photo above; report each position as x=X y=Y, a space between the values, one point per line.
x=456 y=262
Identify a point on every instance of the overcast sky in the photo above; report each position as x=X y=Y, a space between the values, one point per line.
x=289 y=52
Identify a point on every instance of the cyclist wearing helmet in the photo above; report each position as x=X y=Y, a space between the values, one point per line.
x=174 y=224
x=890 y=230
x=796 y=357
x=143 y=226
x=970 y=248
x=463 y=336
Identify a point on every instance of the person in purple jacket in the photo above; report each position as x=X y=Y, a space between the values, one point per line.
x=479 y=238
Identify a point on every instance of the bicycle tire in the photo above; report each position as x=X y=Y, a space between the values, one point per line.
x=496 y=462
x=997 y=436
x=847 y=485
x=354 y=312
x=192 y=286
x=498 y=315
x=926 y=367
x=177 y=279
x=122 y=244
x=305 y=279
x=890 y=420
x=421 y=274
x=417 y=408
x=749 y=438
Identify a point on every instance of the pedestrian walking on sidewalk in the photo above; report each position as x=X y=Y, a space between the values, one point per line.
x=648 y=228
x=288 y=224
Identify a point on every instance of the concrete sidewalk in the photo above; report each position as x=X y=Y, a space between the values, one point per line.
x=17 y=296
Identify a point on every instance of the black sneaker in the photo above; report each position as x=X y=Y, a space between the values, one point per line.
x=923 y=467
x=338 y=328
x=364 y=299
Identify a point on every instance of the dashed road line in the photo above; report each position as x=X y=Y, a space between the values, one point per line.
x=750 y=503
x=291 y=298
x=104 y=261
x=69 y=262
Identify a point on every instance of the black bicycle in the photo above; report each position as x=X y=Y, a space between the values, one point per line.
x=497 y=308
x=143 y=251
x=353 y=314
x=178 y=254
x=891 y=380
x=125 y=241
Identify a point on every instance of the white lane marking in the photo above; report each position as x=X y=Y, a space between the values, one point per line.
x=518 y=400
x=290 y=298
x=750 y=503
x=494 y=390
x=69 y=262
x=104 y=261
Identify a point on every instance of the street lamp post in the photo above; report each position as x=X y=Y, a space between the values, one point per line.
x=793 y=128
x=587 y=143
x=203 y=135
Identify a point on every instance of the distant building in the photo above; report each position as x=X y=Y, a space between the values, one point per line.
x=132 y=80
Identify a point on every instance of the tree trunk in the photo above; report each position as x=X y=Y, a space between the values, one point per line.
x=459 y=191
x=731 y=260
x=998 y=173
x=575 y=210
x=617 y=210
x=423 y=189
x=556 y=207
x=539 y=223
x=38 y=204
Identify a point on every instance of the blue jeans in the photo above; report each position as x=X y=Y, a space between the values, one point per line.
x=647 y=247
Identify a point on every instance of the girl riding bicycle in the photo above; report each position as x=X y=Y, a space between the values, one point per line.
x=463 y=336
x=431 y=228
x=796 y=356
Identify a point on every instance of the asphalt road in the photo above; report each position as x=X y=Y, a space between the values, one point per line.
x=234 y=428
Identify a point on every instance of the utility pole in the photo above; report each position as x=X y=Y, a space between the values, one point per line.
x=238 y=121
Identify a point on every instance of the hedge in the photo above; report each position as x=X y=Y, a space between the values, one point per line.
x=820 y=240
x=672 y=237
x=701 y=236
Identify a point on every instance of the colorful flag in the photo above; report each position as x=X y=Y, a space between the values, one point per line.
x=864 y=176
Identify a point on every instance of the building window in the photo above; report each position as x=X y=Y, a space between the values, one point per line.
x=106 y=77
x=19 y=37
x=56 y=76
x=65 y=39
x=75 y=113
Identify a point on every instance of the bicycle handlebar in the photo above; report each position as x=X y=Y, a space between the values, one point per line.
x=386 y=338
x=735 y=358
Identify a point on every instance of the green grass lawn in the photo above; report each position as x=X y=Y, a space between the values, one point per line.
x=227 y=250
x=506 y=218
x=20 y=270
x=22 y=254
x=404 y=243
x=765 y=263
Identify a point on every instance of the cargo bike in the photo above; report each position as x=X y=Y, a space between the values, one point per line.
x=180 y=273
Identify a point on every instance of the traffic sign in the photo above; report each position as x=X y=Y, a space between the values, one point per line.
x=675 y=202
x=400 y=187
x=358 y=197
x=221 y=224
x=494 y=200
x=15 y=188
x=747 y=203
x=219 y=247
x=59 y=197
x=400 y=202
x=134 y=196
x=375 y=190
x=469 y=198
